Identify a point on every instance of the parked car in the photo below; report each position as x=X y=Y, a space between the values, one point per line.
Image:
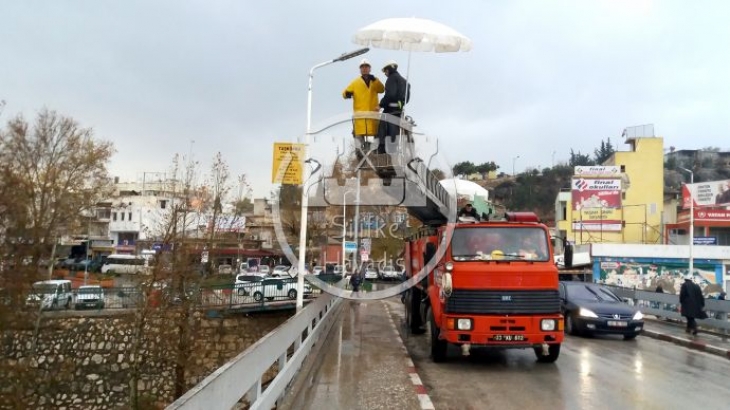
x=50 y=294
x=264 y=270
x=276 y=288
x=89 y=296
x=246 y=282
x=317 y=270
x=592 y=309
x=225 y=269
x=280 y=271
x=389 y=273
x=371 y=272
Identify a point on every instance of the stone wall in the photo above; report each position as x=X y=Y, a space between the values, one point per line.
x=88 y=362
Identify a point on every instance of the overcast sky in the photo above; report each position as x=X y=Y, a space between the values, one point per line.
x=543 y=76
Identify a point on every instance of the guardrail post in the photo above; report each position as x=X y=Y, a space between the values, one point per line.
x=255 y=392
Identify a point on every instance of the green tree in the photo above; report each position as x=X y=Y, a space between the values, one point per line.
x=486 y=167
x=578 y=159
x=604 y=152
x=464 y=168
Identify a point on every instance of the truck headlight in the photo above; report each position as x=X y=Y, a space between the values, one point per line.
x=548 y=325
x=449 y=266
x=464 y=324
x=638 y=315
x=587 y=313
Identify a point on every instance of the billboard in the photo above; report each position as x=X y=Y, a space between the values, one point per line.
x=598 y=170
x=596 y=204
x=715 y=193
x=287 y=163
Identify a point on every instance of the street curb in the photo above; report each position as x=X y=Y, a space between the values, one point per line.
x=423 y=398
x=688 y=343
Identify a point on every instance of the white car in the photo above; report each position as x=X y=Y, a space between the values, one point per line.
x=371 y=273
x=264 y=270
x=317 y=270
x=91 y=296
x=246 y=282
x=388 y=272
x=51 y=294
x=273 y=289
x=280 y=271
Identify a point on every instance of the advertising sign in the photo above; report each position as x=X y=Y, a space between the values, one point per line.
x=596 y=204
x=705 y=240
x=598 y=170
x=287 y=163
x=715 y=193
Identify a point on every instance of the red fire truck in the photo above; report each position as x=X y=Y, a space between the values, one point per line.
x=496 y=286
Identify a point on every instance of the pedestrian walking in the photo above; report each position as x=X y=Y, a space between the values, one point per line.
x=355 y=281
x=692 y=303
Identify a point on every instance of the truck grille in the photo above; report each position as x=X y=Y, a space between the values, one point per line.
x=503 y=302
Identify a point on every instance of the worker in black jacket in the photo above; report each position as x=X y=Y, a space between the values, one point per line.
x=469 y=211
x=396 y=96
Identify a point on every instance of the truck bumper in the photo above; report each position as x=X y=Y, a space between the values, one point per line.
x=503 y=331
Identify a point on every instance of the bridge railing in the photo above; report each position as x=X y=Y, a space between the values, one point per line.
x=666 y=305
x=243 y=375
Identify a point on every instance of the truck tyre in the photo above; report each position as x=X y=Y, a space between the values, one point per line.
x=553 y=353
x=439 y=347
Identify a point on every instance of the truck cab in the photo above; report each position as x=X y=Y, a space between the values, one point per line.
x=496 y=285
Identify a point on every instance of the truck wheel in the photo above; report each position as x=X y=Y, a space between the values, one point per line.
x=438 y=347
x=553 y=353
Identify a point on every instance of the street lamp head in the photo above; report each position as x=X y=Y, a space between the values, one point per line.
x=351 y=54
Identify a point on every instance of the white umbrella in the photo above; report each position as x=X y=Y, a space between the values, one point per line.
x=412 y=34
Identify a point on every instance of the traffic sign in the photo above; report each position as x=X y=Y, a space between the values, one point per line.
x=283 y=153
x=350 y=247
x=364 y=256
x=366 y=244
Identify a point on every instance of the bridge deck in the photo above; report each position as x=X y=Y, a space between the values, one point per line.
x=365 y=365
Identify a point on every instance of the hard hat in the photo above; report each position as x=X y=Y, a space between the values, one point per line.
x=363 y=62
x=391 y=63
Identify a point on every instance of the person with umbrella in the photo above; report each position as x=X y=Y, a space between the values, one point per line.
x=397 y=94
x=364 y=92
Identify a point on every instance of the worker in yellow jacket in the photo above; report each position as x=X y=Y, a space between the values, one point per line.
x=364 y=92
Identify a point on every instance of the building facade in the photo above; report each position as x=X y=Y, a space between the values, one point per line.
x=620 y=201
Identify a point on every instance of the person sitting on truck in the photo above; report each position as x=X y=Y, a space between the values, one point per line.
x=469 y=211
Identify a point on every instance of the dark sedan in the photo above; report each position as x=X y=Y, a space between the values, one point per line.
x=592 y=309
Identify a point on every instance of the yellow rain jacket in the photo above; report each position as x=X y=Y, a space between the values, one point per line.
x=364 y=98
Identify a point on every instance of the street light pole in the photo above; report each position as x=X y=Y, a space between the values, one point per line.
x=514 y=159
x=344 y=229
x=357 y=222
x=306 y=173
x=691 y=220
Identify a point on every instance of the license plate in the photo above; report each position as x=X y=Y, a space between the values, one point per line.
x=617 y=323
x=508 y=338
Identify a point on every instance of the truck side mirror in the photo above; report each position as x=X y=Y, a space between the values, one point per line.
x=568 y=255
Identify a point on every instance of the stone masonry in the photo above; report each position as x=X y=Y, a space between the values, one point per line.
x=87 y=362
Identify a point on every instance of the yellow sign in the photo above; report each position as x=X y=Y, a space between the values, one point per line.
x=288 y=158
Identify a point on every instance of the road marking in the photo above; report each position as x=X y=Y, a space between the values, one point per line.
x=424 y=400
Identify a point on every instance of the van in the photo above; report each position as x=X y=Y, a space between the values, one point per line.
x=116 y=264
x=51 y=294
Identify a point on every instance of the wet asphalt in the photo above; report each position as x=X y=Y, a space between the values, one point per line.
x=604 y=372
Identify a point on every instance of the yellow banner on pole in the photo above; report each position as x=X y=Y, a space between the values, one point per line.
x=287 y=165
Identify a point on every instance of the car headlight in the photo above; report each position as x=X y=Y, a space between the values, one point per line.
x=638 y=315
x=587 y=313
x=547 y=325
x=464 y=324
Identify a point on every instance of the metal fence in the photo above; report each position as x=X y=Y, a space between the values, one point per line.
x=270 y=292
x=665 y=305
x=243 y=375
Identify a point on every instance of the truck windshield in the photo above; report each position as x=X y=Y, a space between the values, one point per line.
x=499 y=243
